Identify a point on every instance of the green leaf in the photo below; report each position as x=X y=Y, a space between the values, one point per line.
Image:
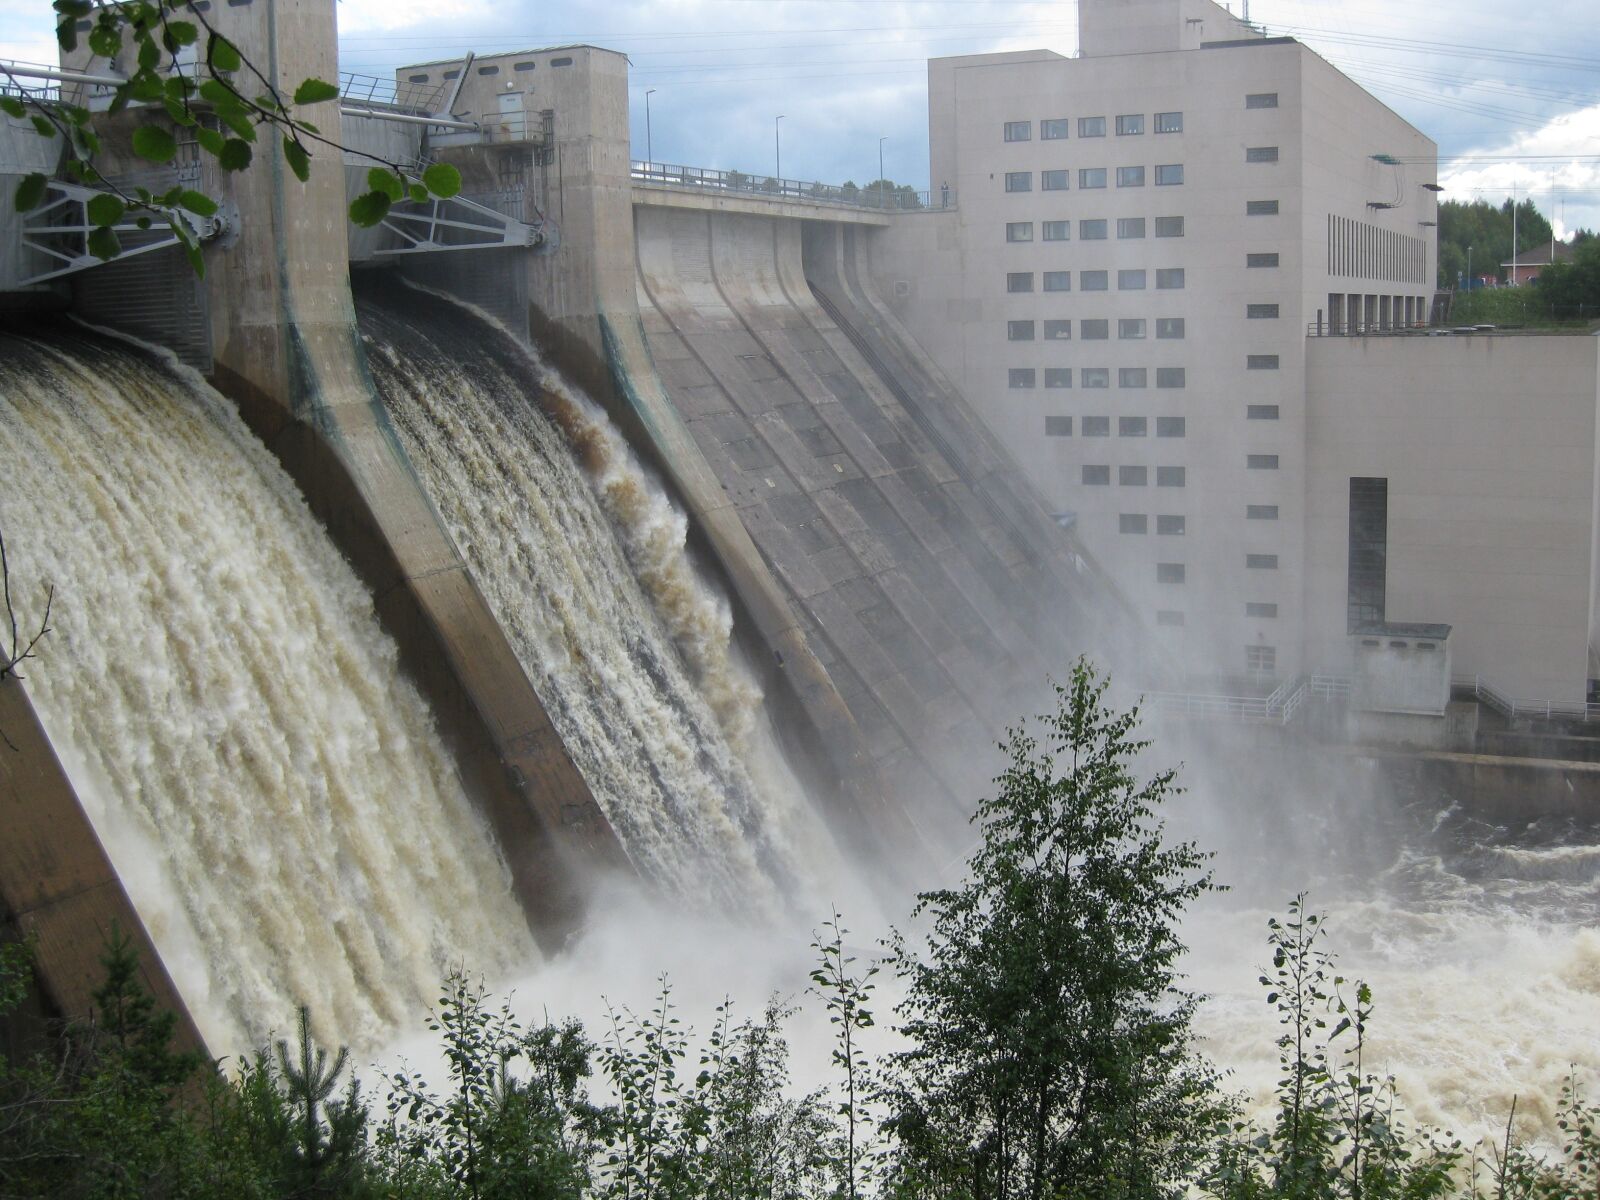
x=418 y=193
x=179 y=112
x=299 y=160
x=237 y=118
x=222 y=54
x=30 y=191
x=105 y=209
x=103 y=244
x=367 y=209
x=380 y=179
x=105 y=40
x=196 y=262
x=235 y=155
x=185 y=33
x=198 y=203
x=315 y=91
x=217 y=93
x=146 y=87
x=43 y=128
x=442 y=180
x=210 y=140
x=149 y=56
x=154 y=144
x=12 y=107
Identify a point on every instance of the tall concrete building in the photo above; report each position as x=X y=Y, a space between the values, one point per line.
x=1141 y=239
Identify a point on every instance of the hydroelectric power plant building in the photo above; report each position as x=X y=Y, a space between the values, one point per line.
x=1142 y=382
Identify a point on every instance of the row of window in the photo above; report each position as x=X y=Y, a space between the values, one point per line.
x=1138 y=476
x=1167 y=524
x=1174 y=573
x=1094 y=178
x=1126 y=426
x=1059 y=128
x=1096 y=329
x=1096 y=377
x=1095 y=229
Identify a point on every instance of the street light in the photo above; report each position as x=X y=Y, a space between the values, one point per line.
x=777 y=151
x=881 y=141
x=649 y=150
x=1469 y=268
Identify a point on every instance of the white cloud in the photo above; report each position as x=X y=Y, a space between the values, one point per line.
x=1556 y=165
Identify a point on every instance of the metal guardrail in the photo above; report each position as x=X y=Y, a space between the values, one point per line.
x=1279 y=708
x=895 y=200
x=377 y=89
x=1324 y=329
x=1509 y=706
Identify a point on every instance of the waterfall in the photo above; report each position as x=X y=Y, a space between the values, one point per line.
x=270 y=788
x=582 y=560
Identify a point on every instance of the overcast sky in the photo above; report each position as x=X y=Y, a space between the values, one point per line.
x=1510 y=94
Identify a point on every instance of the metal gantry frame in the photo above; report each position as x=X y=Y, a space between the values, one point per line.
x=60 y=227
x=424 y=227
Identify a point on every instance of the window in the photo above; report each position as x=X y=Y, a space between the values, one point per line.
x=1095 y=329
x=1261 y=312
x=1261 y=260
x=1169 y=279
x=1168 y=174
x=1170 y=476
x=1097 y=427
x=1053 y=129
x=1057 y=231
x=1092 y=281
x=1019 y=331
x=1130 y=281
x=1130 y=329
x=560 y=62
x=1261 y=462
x=1130 y=123
x=1019 y=131
x=524 y=66
x=1170 y=426
x=1165 y=616
x=1261 y=658
x=1053 y=181
x=1092 y=231
x=1260 y=208
x=1171 y=377
x=1130 y=176
x=1019 y=377
x=1019 y=181
x=1169 y=572
x=1256 y=609
x=424 y=78
x=488 y=70
x=1132 y=377
x=453 y=74
x=1091 y=177
x=1132 y=427
x=1366 y=578
x=1172 y=526
x=1057 y=281
x=1097 y=476
x=1169 y=226
x=1261 y=412
x=1169 y=327
x=1132 y=476
x=1261 y=562
x=1019 y=281
x=1133 y=523
x=1130 y=227
x=1261 y=512
x=1169 y=122
x=1057 y=426
x=1261 y=100
x=1091 y=127
x=1261 y=362
x=1260 y=154
x=1058 y=377
x=1057 y=331
x=1094 y=377
x=1019 y=231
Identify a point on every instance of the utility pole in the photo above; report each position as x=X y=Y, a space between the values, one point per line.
x=777 y=152
x=649 y=150
x=1513 y=234
x=881 y=141
x=1469 y=268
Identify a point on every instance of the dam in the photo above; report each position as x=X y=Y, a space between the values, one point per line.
x=605 y=521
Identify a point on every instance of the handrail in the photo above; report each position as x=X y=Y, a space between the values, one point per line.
x=899 y=199
x=1512 y=707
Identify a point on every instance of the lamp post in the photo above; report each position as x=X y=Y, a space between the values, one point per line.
x=777 y=151
x=881 y=141
x=649 y=149
x=1469 y=268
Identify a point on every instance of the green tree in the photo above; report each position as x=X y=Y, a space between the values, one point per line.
x=1573 y=288
x=1051 y=1050
x=1487 y=229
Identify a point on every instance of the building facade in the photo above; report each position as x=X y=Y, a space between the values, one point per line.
x=1145 y=237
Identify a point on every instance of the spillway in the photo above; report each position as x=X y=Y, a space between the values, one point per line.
x=582 y=560
x=271 y=789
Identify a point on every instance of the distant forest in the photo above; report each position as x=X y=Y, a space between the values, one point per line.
x=1487 y=230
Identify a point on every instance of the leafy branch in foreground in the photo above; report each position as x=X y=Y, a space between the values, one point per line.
x=221 y=99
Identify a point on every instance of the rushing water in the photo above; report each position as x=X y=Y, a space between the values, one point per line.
x=1481 y=942
x=270 y=788
x=583 y=562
